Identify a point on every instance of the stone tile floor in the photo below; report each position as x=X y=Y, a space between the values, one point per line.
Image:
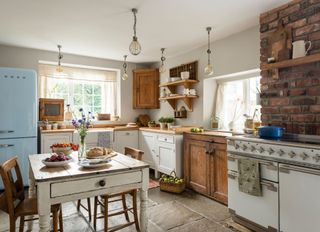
x=188 y=212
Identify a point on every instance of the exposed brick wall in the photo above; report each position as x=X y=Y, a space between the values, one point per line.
x=293 y=100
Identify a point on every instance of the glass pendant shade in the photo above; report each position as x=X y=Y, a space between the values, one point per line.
x=59 y=69
x=135 y=47
x=208 y=70
x=124 y=76
x=162 y=68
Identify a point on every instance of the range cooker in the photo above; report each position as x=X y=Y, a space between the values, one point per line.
x=290 y=182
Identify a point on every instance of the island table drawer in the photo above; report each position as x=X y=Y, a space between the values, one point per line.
x=91 y=184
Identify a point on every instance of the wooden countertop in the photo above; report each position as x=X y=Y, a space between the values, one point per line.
x=117 y=128
x=212 y=133
x=175 y=131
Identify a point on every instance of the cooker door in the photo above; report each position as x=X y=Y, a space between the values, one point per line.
x=261 y=210
x=299 y=199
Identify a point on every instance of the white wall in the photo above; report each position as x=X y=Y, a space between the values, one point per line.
x=239 y=52
x=29 y=58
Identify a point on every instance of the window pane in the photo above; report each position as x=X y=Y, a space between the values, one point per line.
x=97 y=89
x=97 y=101
x=87 y=89
x=97 y=110
x=77 y=99
x=88 y=100
x=77 y=88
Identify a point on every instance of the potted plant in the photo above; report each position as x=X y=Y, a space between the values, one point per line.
x=152 y=124
x=169 y=122
x=54 y=126
x=163 y=123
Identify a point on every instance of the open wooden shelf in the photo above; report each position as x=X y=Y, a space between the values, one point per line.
x=185 y=83
x=292 y=62
x=186 y=98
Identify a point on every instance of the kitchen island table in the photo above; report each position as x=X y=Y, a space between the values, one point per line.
x=72 y=182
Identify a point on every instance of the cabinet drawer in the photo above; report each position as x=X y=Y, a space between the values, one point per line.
x=166 y=138
x=91 y=184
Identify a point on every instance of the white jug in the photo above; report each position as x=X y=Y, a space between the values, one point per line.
x=299 y=48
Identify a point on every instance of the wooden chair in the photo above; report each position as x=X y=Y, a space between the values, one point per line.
x=13 y=201
x=106 y=199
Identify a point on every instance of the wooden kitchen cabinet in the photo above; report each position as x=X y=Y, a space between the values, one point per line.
x=205 y=165
x=145 y=89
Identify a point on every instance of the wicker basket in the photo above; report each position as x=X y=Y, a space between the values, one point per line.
x=172 y=187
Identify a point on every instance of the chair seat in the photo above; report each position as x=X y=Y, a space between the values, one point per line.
x=29 y=206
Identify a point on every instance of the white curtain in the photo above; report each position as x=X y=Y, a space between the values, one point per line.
x=219 y=106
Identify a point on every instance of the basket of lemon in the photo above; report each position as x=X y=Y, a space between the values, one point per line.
x=171 y=183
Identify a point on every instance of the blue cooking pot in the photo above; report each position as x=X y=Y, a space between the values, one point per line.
x=270 y=132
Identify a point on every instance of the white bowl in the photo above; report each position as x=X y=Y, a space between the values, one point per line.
x=64 y=150
x=56 y=163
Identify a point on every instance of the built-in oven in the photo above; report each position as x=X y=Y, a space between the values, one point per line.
x=261 y=212
x=299 y=198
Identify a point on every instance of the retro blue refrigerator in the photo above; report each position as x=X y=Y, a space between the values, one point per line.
x=18 y=117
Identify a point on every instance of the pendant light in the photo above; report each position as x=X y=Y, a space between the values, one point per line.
x=60 y=56
x=208 y=70
x=135 y=47
x=162 y=68
x=125 y=74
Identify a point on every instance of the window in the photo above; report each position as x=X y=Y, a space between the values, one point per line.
x=236 y=99
x=93 y=90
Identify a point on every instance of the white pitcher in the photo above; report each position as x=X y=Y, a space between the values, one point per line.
x=299 y=48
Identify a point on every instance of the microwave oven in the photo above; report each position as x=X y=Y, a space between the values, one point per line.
x=51 y=109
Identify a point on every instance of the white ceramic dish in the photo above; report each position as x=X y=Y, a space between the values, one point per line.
x=89 y=164
x=175 y=78
x=56 y=163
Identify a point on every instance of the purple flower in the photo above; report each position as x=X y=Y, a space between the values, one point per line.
x=93 y=117
x=80 y=121
x=81 y=110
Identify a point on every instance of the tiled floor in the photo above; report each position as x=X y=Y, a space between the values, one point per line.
x=187 y=212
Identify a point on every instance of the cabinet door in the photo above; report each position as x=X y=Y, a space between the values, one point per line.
x=124 y=139
x=48 y=139
x=147 y=144
x=197 y=166
x=219 y=172
x=146 y=89
x=167 y=157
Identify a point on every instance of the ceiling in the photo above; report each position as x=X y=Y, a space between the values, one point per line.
x=103 y=28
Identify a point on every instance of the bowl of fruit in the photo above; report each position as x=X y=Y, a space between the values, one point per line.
x=57 y=160
x=65 y=148
x=171 y=183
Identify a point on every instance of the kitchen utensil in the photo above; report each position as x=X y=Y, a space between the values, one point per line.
x=270 y=132
x=299 y=48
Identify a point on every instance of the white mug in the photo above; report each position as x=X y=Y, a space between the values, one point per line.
x=299 y=48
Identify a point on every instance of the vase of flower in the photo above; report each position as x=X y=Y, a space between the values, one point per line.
x=82 y=148
x=82 y=126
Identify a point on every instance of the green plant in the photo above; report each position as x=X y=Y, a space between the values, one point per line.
x=169 y=120
x=152 y=122
x=162 y=120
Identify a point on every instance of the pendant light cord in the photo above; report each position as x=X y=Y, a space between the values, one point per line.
x=208 y=51
x=135 y=22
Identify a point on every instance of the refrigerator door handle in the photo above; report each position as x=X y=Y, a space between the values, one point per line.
x=6 y=145
x=6 y=131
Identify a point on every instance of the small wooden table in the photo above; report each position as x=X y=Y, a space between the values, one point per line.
x=72 y=182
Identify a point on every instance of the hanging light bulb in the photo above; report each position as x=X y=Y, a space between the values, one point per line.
x=162 y=68
x=135 y=47
x=60 y=56
x=125 y=74
x=208 y=69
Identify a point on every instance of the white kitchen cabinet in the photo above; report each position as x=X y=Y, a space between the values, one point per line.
x=163 y=152
x=47 y=139
x=299 y=199
x=125 y=138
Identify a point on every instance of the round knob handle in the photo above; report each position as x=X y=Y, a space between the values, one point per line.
x=165 y=139
x=316 y=158
x=304 y=156
x=292 y=154
x=271 y=151
x=102 y=183
x=281 y=152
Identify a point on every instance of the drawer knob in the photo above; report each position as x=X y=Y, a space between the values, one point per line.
x=102 y=183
